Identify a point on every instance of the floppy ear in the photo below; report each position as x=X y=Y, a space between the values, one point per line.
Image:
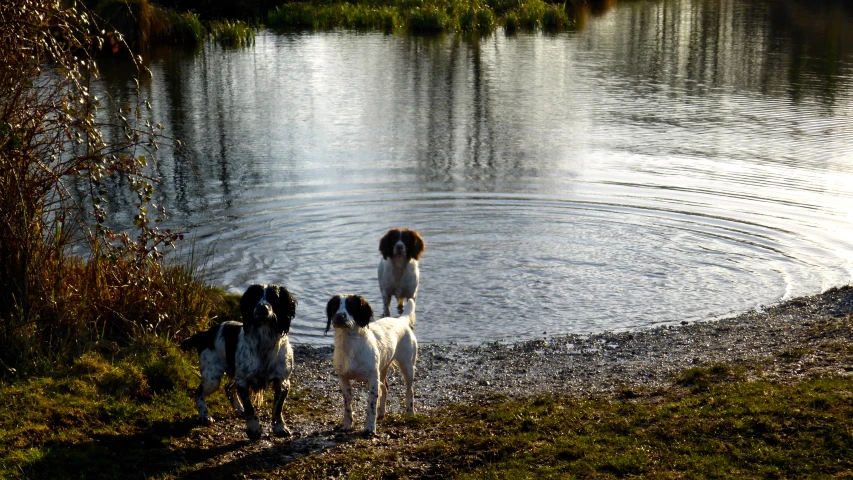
x=331 y=308
x=250 y=298
x=284 y=308
x=418 y=246
x=386 y=245
x=363 y=313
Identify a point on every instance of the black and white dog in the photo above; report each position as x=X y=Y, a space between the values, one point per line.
x=253 y=353
x=398 y=270
x=365 y=349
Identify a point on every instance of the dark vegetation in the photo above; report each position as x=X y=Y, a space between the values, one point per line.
x=68 y=282
x=146 y=22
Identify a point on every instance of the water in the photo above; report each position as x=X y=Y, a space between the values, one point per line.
x=673 y=160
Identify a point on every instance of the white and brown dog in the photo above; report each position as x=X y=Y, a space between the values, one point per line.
x=365 y=350
x=254 y=353
x=398 y=270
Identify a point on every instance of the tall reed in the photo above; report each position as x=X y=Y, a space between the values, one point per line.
x=420 y=16
x=234 y=33
x=143 y=23
x=304 y=16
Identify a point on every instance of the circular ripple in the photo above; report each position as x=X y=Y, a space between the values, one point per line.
x=501 y=266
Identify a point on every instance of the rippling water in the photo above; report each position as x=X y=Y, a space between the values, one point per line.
x=672 y=160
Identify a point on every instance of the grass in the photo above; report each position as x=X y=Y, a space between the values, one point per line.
x=234 y=33
x=417 y=16
x=106 y=302
x=62 y=423
x=143 y=23
x=730 y=428
x=113 y=413
x=305 y=16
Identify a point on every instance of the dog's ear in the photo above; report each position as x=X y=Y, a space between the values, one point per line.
x=386 y=245
x=360 y=310
x=331 y=309
x=250 y=298
x=415 y=245
x=284 y=307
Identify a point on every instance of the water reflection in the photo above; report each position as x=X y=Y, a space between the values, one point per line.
x=670 y=160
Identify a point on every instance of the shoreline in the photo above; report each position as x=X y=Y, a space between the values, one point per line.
x=613 y=362
x=787 y=342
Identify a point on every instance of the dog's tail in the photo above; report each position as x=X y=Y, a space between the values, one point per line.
x=409 y=311
x=257 y=396
x=199 y=341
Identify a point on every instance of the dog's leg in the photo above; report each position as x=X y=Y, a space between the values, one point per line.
x=408 y=371
x=346 y=390
x=208 y=385
x=281 y=389
x=372 y=397
x=383 y=394
x=386 y=302
x=231 y=391
x=253 y=425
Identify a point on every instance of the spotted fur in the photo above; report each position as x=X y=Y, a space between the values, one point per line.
x=255 y=353
x=401 y=250
x=366 y=349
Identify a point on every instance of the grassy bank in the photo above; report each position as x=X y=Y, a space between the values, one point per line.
x=143 y=22
x=111 y=414
x=417 y=16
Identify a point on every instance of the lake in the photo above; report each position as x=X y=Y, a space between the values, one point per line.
x=667 y=161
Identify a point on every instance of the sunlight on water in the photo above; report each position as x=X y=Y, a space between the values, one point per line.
x=672 y=161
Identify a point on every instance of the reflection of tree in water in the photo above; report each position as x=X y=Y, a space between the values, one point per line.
x=460 y=136
x=693 y=45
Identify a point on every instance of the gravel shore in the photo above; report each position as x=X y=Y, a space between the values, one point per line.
x=609 y=363
x=796 y=339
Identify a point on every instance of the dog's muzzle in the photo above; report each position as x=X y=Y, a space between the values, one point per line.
x=341 y=320
x=263 y=311
x=338 y=320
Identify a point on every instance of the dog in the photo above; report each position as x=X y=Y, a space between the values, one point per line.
x=365 y=349
x=398 y=270
x=254 y=353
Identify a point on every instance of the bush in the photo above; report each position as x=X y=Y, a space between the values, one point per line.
x=55 y=305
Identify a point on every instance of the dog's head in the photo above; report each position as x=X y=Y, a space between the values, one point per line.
x=402 y=242
x=347 y=311
x=268 y=304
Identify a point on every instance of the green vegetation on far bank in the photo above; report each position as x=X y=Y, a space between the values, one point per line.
x=147 y=22
x=419 y=16
x=107 y=415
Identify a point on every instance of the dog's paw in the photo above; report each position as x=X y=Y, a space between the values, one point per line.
x=343 y=428
x=280 y=430
x=253 y=428
x=206 y=420
x=368 y=433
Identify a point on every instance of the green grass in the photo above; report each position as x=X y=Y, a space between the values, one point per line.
x=305 y=16
x=417 y=16
x=733 y=429
x=95 y=414
x=132 y=412
x=233 y=33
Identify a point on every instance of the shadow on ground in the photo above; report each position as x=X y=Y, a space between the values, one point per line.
x=180 y=449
